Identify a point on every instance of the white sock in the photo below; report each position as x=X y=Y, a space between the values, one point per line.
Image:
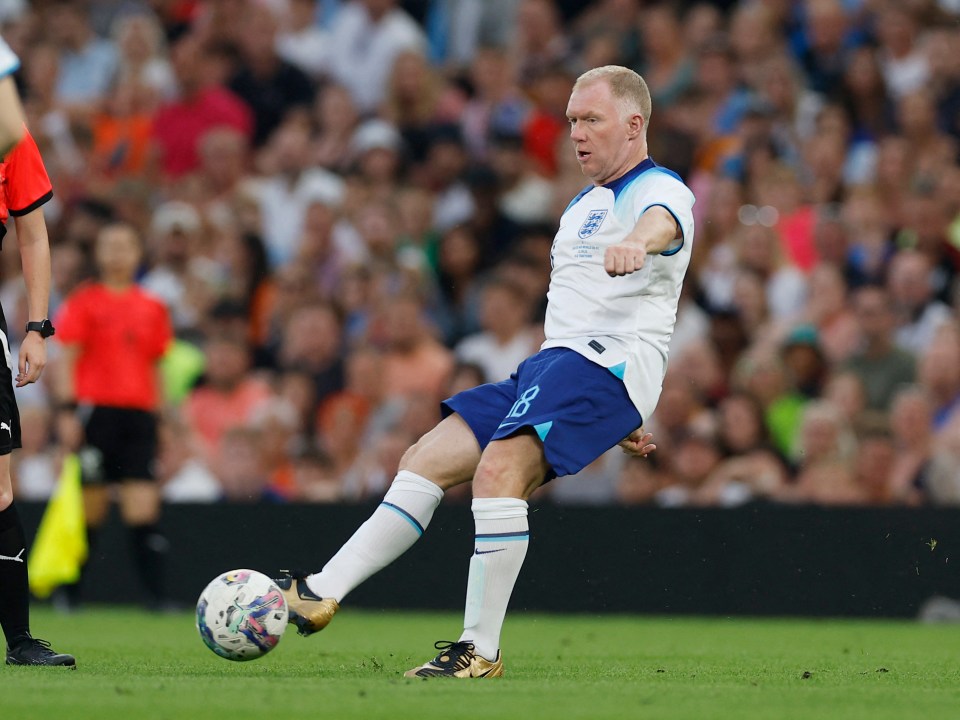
x=502 y=538
x=396 y=524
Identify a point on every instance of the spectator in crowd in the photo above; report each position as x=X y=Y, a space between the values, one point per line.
x=414 y=361
x=174 y=236
x=35 y=466
x=311 y=343
x=240 y=468
x=669 y=68
x=497 y=105
x=938 y=373
x=87 y=63
x=919 y=315
x=911 y=424
x=183 y=475
x=826 y=455
x=366 y=38
x=316 y=478
x=202 y=103
x=880 y=364
x=270 y=86
x=301 y=42
x=507 y=337
x=228 y=396
x=289 y=189
x=335 y=116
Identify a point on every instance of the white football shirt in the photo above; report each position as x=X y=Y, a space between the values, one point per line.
x=622 y=323
x=8 y=61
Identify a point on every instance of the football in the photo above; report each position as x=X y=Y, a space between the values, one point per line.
x=241 y=615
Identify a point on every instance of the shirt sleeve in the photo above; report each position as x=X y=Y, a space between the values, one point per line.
x=676 y=198
x=27 y=183
x=9 y=62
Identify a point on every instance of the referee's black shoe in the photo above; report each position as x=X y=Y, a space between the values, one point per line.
x=31 y=651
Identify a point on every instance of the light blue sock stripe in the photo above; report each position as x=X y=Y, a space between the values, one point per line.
x=405 y=515
x=502 y=538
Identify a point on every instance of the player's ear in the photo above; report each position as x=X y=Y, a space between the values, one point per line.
x=635 y=126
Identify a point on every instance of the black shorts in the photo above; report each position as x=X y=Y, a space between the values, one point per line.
x=9 y=414
x=126 y=440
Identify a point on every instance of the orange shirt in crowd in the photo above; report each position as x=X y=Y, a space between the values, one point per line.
x=121 y=144
x=211 y=412
x=425 y=369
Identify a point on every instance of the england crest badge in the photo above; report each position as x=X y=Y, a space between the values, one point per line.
x=592 y=223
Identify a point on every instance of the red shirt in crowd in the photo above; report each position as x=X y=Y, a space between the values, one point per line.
x=179 y=126
x=24 y=184
x=122 y=337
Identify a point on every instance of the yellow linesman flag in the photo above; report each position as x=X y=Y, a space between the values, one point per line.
x=60 y=548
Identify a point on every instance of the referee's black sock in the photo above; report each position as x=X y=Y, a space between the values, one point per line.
x=150 y=554
x=14 y=586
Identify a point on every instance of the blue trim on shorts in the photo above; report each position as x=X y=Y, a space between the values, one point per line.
x=405 y=515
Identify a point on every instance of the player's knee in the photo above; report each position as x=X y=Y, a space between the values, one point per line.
x=408 y=460
x=494 y=478
x=6 y=498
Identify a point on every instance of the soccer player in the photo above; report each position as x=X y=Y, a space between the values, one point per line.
x=11 y=113
x=619 y=258
x=24 y=188
x=113 y=334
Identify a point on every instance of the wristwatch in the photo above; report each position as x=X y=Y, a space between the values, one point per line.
x=44 y=327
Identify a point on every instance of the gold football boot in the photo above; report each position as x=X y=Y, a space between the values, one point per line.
x=308 y=612
x=458 y=659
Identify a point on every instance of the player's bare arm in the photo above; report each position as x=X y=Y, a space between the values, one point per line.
x=35 y=258
x=655 y=231
x=11 y=116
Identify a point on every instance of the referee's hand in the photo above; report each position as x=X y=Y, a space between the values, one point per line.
x=33 y=358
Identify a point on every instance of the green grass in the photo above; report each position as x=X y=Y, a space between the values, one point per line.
x=137 y=666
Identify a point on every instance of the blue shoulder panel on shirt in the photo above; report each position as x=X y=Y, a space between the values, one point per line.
x=583 y=192
x=621 y=183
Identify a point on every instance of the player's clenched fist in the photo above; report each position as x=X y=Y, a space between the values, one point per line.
x=624 y=258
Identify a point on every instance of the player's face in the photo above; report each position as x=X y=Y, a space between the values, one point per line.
x=599 y=132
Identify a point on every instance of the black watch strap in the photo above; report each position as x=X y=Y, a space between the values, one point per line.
x=44 y=327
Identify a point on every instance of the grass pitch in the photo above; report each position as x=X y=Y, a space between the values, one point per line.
x=138 y=666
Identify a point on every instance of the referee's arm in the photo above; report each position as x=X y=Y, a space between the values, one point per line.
x=11 y=115
x=35 y=258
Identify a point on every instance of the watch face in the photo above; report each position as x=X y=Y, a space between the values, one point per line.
x=45 y=328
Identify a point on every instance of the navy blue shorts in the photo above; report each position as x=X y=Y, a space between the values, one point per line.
x=578 y=409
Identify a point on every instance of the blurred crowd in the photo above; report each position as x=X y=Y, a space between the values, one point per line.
x=348 y=208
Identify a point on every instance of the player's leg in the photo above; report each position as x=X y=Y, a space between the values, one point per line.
x=444 y=457
x=508 y=472
x=22 y=647
x=555 y=427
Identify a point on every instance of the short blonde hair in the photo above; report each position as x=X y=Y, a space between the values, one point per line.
x=629 y=89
